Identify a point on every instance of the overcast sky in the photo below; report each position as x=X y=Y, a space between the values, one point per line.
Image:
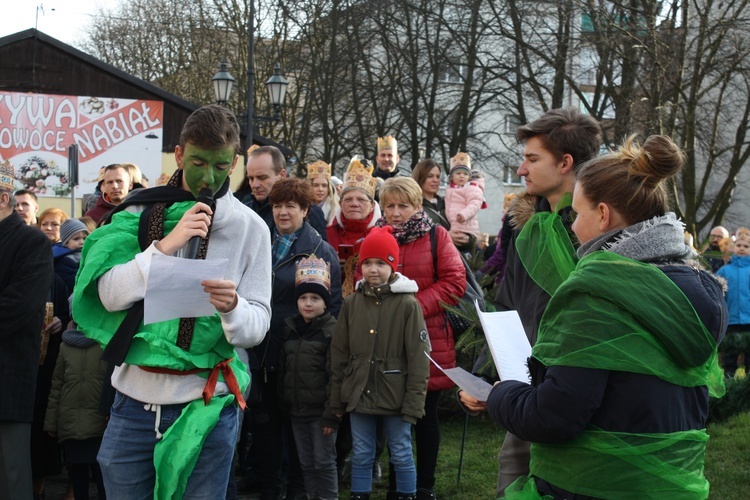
x=65 y=20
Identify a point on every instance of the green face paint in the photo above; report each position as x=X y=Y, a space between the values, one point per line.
x=206 y=167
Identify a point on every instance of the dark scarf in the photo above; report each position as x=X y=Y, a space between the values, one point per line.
x=150 y=229
x=417 y=226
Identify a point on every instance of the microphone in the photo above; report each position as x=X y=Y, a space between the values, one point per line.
x=205 y=195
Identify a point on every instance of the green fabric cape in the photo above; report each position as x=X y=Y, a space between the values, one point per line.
x=614 y=313
x=545 y=249
x=155 y=345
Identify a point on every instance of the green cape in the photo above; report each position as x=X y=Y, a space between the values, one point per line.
x=545 y=249
x=614 y=313
x=155 y=345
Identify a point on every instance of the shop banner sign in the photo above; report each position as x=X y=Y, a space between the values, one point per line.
x=36 y=130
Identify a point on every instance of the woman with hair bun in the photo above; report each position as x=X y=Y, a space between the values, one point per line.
x=627 y=349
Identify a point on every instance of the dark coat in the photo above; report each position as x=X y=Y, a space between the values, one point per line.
x=436 y=211
x=283 y=302
x=25 y=275
x=378 y=357
x=66 y=265
x=517 y=290
x=315 y=216
x=73 y=406
x=305 y=369
x=562 y=401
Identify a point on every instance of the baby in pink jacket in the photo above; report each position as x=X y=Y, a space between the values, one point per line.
x=463 y=198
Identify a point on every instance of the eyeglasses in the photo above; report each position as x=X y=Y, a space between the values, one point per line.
x=716 y=236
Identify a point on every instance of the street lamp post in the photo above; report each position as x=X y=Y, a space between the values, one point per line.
x=223 y=83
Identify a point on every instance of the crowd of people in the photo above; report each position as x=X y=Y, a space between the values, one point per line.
x=334 y=290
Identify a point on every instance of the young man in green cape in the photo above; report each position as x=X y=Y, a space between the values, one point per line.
x=179 y=383
x=541 y=253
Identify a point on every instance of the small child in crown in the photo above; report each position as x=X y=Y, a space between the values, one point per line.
x=464 y=196
x=305 y=378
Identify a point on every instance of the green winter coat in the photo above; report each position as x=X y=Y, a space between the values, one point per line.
x=73 y=407
x=378 y=351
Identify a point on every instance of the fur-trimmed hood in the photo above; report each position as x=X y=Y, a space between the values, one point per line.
x=401 y=284
x=521 y=209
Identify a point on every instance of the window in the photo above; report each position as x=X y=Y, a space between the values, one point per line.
x=453 y=72
x=604 y=107
x=510 y=177
x=511 y=124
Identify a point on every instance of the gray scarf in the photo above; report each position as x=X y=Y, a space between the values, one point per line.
x=75 y=338
x=658 y=239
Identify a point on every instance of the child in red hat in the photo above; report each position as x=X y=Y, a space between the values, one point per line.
x=379 y=367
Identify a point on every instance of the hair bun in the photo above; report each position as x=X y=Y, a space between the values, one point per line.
x=659 y=158
x=665 y=158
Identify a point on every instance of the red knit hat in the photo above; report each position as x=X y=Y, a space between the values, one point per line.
x=380 y=244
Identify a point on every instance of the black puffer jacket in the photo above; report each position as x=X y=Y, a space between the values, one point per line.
x=558 y=410
x=305 y=368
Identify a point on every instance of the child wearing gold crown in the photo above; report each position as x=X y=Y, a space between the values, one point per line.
x=463 y=199
x=305 y=377
x=737 y=274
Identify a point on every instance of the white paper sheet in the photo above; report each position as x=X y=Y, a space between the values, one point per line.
x=174 y=290
x=508 y=343
x=472 y=384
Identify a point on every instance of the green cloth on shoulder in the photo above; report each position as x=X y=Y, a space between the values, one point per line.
x=154 y=345
x=545 y=249
x=614 y=313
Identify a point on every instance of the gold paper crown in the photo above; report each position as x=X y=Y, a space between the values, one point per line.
x=742 y=234
x=318 y=169
x=461 y=160
x=7 y=176
x=388 y=143
x=314 y=271
x=359 y=175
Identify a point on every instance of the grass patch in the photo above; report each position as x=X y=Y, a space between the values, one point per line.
x=728 y=458
x=479 y=471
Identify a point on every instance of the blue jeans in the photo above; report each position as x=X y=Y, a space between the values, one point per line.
x=317 y=457
x=126 y=456
x=364 y=436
